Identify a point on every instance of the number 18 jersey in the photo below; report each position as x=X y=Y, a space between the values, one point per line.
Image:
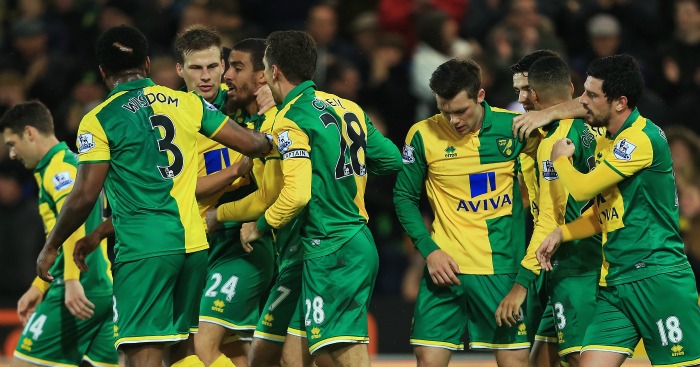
x=148 y=134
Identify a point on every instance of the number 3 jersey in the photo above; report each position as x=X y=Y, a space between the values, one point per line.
x=343 y=145
x=148 y=134
x=472 y=185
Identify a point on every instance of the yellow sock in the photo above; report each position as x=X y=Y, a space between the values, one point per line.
x=189 y=361
x=223 y=361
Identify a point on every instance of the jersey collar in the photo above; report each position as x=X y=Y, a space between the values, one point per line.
x=134 y=84
x=630 y=120
x=486 y=121
x=47 y=157
x=299 y=89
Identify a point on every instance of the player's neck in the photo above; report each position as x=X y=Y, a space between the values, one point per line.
x=127 y=76
x=252 y=108
x=545 y=104
x=617 y=120
x=45 y=143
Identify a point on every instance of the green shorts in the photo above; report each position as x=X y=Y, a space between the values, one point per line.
x=156 y=298
x=281 y=304
x=443 y=314
x=237 y=284
x=54 y=337
x=662 y=310
x=539 y=319
x=336 y=291
x=573 y=300
x=546 y=331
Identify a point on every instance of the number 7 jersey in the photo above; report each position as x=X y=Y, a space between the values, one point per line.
x=148 y=134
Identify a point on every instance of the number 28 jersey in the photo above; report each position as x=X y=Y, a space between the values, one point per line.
x=343 y=146
x=148 y=134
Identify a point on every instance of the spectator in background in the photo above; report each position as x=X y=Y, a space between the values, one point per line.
x=387 y=87
x=322 y=25
x=163 y=72
x=12 y=90
x=343 y=79
x=85 y=95
x=689 y=202
x=604 y=37
x=45 y=76
x=680 y=64
x=438 y=42
x=685 y=150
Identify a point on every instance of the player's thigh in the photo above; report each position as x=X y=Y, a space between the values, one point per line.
x=537 y=300
x=235 y=286
x=610 y=329
x=337 y=289
x=439 y=317
x=484 y=294
x=101 y=352
x=665 y=309
x=189 y=286
x=574 y=302
x=546 y=330
x=144 y=300
x=52 y=336
x=281 y=305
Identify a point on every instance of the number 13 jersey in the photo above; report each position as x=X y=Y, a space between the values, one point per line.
x=148 y=134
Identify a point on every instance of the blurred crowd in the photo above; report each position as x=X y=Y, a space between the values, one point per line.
x=379 y=53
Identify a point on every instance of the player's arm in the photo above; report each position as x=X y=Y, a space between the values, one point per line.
x=217 y=126
x=585 y=226
x=76 y=208
x=525 y=124
x=211 y=184
x=296 y=178
x=584 y=186
x=409 y=184
x=254 y=205
x=383 y=157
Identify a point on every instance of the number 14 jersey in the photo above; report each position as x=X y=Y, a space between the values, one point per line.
x=148 y=134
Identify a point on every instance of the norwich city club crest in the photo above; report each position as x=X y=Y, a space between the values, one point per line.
x=506 y=146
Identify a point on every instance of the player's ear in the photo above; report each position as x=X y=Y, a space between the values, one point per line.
x=178 y=69
x=621 y=104
x=481 y=95
x=147 y=66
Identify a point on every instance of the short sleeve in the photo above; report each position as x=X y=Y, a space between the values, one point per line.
x=59 y=180
x=631 y=153
x=212 y=119
x=92 y=142
x=292 y=141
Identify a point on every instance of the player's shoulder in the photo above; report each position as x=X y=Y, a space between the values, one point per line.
x=432 y=126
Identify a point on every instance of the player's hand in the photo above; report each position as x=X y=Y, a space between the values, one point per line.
x=509 y=311
x=84 y=247
x=264 y=99
x=442 y=268
x=249 y=233
x=242 y=167
x=212 y=222
x=46 y=259
x=548 y=247
x=525 y=124
x=78 y=305
x=28 y=302
x=563 y=147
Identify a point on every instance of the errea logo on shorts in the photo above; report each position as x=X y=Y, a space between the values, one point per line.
x=85 y=142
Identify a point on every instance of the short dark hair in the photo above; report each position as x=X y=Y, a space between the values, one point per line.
x=121 y=48
x=550 y=75
x=255 y=47
x=454 y=76
x=523 y=65
x=621 y=76
x=195 y=38
x=32 y=113
x=294 y=52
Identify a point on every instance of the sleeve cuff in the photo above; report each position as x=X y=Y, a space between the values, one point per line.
x=426 y=246
x=41 y=285
x=263 y=225
x=566 y=233
x=525 y=277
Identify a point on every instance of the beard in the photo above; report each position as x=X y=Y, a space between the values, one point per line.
x=241 y=99
x=600 y=120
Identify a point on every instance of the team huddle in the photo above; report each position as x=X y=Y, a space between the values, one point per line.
x=240 y=227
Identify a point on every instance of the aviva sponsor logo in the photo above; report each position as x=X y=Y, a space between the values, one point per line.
x=480 y=184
